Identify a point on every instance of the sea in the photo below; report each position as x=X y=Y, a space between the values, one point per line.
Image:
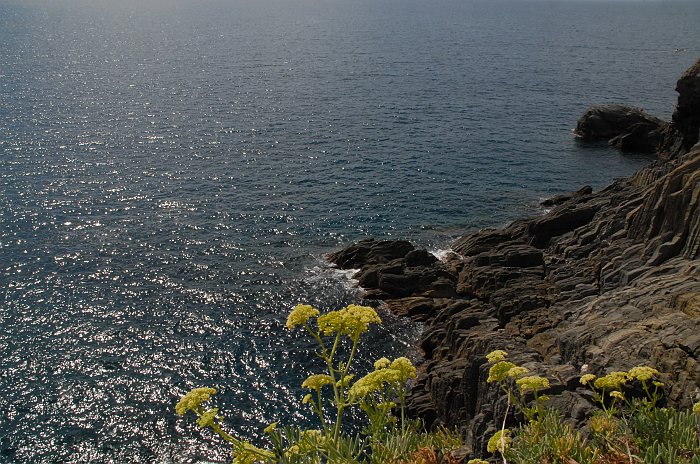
x=173 y=173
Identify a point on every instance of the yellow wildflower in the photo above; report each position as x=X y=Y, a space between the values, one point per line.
x=495 y=356
x=658 y=384
x=193 y=399
x=642 y=373
x=499 y=371
x=207 y=419
x=352 y=320
x=270 y=428
x=317 y=381
x=586 y=379
x=517 y=372
x=696 y=408
x=405 y=368
x=381 y=363
x=300 y=314
x=500 y=441
x=617 y=394
x=477 y=461
x=532 y=383
x=345 y=380
x=307 y=398
x=612 y=381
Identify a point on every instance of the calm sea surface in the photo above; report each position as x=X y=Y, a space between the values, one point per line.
x=171 y=173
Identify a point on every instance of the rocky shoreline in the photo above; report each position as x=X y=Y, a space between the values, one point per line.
x=604 y=281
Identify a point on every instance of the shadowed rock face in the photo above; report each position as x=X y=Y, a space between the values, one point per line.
x=625 y=127
x=607 y=280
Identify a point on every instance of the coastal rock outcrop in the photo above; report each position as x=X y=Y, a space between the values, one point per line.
x=625 y=127
x=604 y=281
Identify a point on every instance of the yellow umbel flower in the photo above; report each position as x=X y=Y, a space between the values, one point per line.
x=477 y=461
x=307 y=398
x=642 y=373
x=317 y=381
x=405 y=368
x=586 y=379
x=193 y=399
x=612 y=381
x=207 y=419
x=496 y=355
x=300 y=314
x=381 y=363
x=500 y=441
x=517 y=372
x=352 y=320
x=532 y=383
x=499 y=371
x=617 y=394
x=372 y=382
x=696 y=408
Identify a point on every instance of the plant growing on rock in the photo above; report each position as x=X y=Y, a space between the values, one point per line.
x=387 y=438
x=627 y=429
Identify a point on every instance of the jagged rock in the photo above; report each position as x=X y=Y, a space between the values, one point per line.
x=559 y=199
x=626 y=127
x=370 y=251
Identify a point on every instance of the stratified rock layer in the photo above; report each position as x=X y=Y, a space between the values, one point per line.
x=605 y=281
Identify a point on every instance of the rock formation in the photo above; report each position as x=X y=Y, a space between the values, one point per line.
x=605 y=281
x=625 y=127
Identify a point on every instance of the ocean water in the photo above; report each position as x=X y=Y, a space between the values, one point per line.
x=172 y=173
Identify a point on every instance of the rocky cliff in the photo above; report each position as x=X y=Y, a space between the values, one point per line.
x=605 y=281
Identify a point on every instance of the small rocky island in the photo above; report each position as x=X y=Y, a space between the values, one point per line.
x=604 y=281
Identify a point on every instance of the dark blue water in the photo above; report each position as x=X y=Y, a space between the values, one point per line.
x=171 y=173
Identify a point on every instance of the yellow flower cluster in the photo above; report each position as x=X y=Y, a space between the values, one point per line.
x=317 y=381
x=642 y=373
x=532 y=383
x=517 y=372
x=396 y=373
x=207 y=419
x=477 y=461
x=500 y=441
x=617 y=394
x=495 y=356
x=586 y=379
x=381 y=363
x=300 y=314
x=612 y=381
x=615 y=380
x=193 y=399
x=499 y=371
x=404 y=367
x=696 y=408
x=352 y=320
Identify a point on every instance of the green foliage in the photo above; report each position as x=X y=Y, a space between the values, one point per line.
x=385 y=439
x=624 y=431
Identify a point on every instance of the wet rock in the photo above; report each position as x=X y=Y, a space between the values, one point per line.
x=370 y=251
